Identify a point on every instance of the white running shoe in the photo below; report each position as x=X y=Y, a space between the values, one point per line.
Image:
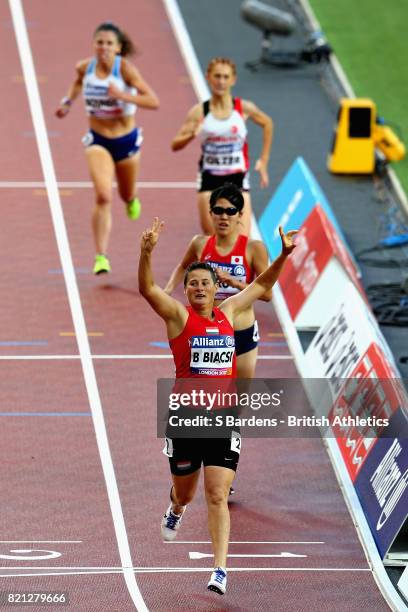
x=170 y=524
x=218 y=581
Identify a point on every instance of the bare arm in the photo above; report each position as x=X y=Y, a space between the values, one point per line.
x=73 y=91
x=145 y=96
x=259 y=262
x=266 y=123
x=192 y=254
x=264 y=282
x=189 y=129
x=169 y=309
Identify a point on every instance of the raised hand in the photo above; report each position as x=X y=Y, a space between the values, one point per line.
x=151 y=236
x=224 y=277
x=287 y=240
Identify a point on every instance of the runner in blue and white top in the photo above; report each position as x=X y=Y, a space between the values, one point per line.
x=113 y=89
x=220 y=124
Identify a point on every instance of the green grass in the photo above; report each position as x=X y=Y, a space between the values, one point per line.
x=370 y=39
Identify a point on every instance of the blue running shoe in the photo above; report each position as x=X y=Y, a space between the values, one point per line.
x=170 y=524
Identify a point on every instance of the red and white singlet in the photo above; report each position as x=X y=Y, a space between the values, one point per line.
x=204 y=347
x=235 y=264
x=223 y=142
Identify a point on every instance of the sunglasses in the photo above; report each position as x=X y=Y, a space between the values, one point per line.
x=219 y=210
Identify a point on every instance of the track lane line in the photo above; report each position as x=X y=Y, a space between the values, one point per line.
x=89 y=185
x=47 y=165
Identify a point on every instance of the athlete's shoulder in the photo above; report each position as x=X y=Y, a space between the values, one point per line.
x=196 y=111
x=82 y=65
x=256 y=248
x=198 y=242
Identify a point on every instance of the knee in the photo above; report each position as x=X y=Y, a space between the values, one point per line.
x=103 y=198
x=182 y=499
x=216 y=495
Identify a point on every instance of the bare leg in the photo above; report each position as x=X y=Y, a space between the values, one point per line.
x=246 y=364
x=204 y=212
x=101 y=169
x=245 y=220
x=127 y=171
x=183 y=490
x=217 y=481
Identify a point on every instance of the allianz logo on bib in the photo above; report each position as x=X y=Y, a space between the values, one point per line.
x=212 y=356
x=212 y=342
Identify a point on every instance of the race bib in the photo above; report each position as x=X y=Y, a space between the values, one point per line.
x=212 y=356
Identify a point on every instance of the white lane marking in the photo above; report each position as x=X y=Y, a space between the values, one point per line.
x=40 y=541
x=89 y=185
x=22 y=554
x=238 y=542
x=39 y=357
x=282 y=555
x=73 y=296
x=165 y=570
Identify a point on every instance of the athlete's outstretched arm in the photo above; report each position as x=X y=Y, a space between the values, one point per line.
x=264 y=282
x=265 y=122
x=190 y=128
x=73 y=91
x=166 y=307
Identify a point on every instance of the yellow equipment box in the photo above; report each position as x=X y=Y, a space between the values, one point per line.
x=353 y=148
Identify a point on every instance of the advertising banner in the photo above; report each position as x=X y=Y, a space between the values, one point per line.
x=317 y=244
x=296 y=196
x=382 y=486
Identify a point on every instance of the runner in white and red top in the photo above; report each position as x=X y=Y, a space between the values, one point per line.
x=237 y=260
x=220 y=123
x=201 y=337
x=112 y=88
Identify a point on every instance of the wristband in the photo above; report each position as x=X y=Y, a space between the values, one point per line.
x=66 y=101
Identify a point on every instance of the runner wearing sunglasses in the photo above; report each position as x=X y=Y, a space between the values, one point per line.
x=237 y=260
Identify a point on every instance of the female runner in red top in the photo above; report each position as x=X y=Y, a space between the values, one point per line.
x=220 y=123
x=237 y=260
x=191 y=331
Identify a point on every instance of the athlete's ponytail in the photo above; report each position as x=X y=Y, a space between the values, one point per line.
x=127 y=46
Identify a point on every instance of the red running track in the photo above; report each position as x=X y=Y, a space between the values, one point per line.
x=55 y=492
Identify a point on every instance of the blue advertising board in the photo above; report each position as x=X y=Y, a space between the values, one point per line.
x=296 y=196
x=382 y=484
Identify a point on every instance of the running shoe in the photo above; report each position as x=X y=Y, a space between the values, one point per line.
x=134 y=209
x=170 y=524
x=218 y=581
x=102 y=264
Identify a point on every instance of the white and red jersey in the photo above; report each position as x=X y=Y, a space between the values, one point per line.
x=205 y=347
x=234 y=263
x=223 y=142
x=95 y=91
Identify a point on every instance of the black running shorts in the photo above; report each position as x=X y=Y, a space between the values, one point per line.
x=186 y=455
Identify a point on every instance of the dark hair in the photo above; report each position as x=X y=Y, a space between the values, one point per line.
x=126 y=44
x=230 y=192
x=200 y=265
